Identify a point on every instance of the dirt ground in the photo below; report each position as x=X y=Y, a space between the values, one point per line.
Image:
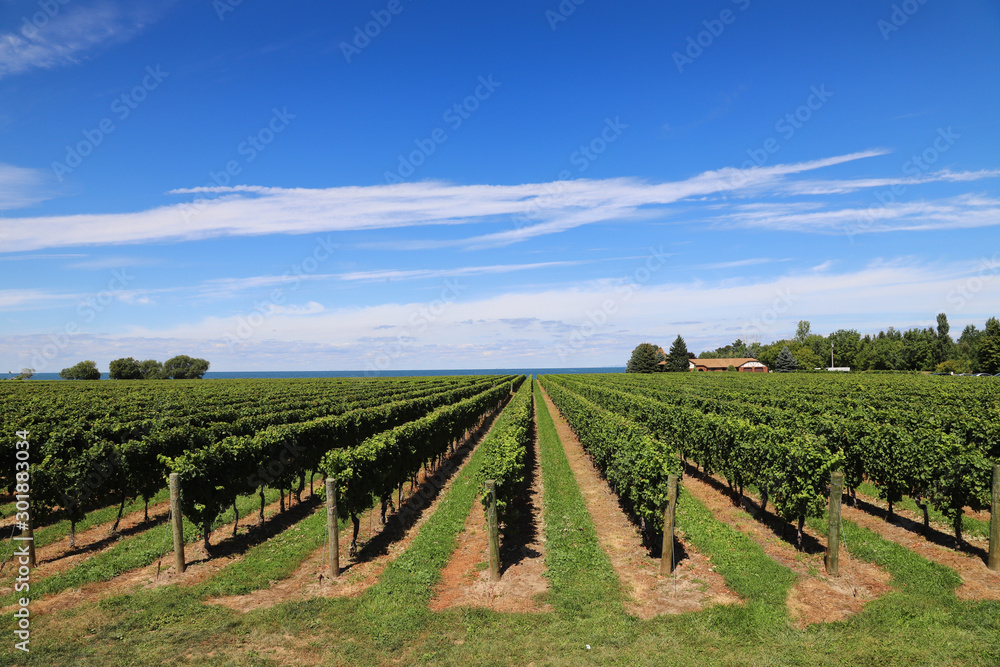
x=465 y=579
x=979 y=583
x=695 y=586
x=378 y=544
x=57 y=557
x=200 y=566
x=816 y=597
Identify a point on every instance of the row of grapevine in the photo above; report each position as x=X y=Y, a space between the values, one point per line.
x=380 y=465
x=792 y=470
x=213 y=477
x=505 y=453
x=945 y=469
x=78 y=470
x=635 y=463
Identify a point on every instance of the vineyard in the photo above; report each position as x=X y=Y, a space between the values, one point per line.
x=905 y=436
x=574 y=476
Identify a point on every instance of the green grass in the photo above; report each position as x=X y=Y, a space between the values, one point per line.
x=133 y=552
x=54 y=532
x=412 y=576
x=970 y=527
x=272 y=560
x=583 y=581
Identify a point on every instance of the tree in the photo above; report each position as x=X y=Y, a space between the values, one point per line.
x=26 y=374
x=945 y=345
x=183 y=367
x=85 y=370
x=967 y=348
x=677 y=359
x=785 y=361
x=643 y=359
x=150 y=369
x=989 y=347
x=846 y=346
x=126 y=368
x=660 y=356
x=806 y=358
x=802 y=332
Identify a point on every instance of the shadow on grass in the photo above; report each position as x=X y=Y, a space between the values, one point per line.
x=421 y=498
x=778 y=526
x=931 y=534
x=524 y=530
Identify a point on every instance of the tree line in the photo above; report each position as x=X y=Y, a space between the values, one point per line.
x=181 y=367
x=648 y=358
x=916 y=349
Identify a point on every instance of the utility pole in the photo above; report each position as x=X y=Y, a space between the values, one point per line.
x=831 y=354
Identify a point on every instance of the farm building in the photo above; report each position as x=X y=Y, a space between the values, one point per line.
x=742 y=364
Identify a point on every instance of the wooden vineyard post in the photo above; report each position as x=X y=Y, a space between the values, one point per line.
x=332 y=529
x=833 y=526
x=494 y=534
x=667 y=553
x=177 y=522
x=994 y=560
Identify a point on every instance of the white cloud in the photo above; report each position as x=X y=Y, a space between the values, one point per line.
x=20 y=187
x=531 y=326
x=398 y=274
x=31 y=299
x=66 y=37
x=252 y=210
x=961 y=212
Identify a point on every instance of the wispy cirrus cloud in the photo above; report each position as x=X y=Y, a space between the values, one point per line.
x=225 y=287
x=255 y=210
x=21 y=187
x=961 y=212
x=845 y=186
x=70 y=34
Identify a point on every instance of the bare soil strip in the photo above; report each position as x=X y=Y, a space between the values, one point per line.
x=378 y=545
x=939 y=533
x=57 y=557
x=696 y=584
x=816 y=597
x=465 y=579
x=200 y=566
x=979 y=582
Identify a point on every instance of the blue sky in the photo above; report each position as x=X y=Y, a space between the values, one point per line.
x=412 y=185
